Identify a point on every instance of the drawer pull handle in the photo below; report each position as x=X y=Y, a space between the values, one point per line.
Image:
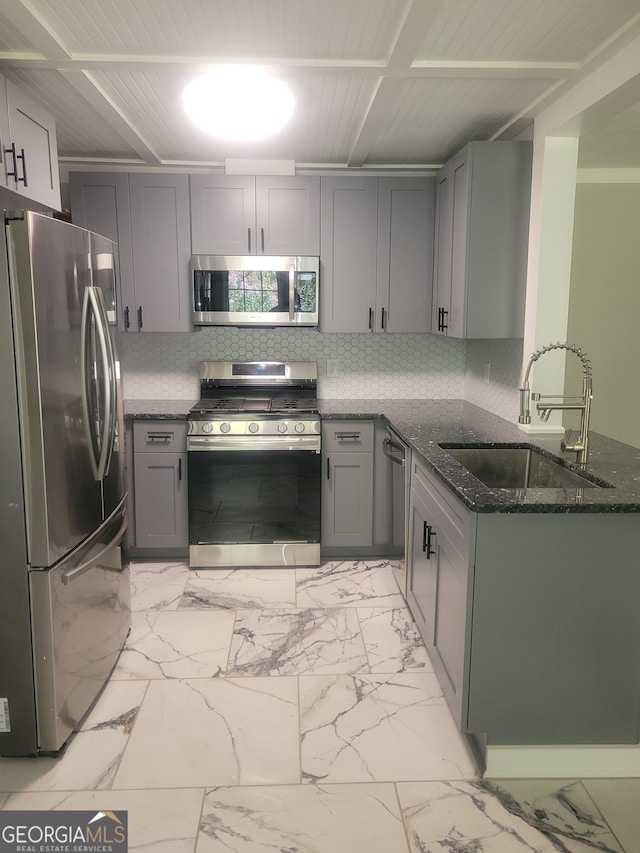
x=427 y=533
x=348 y=436
x=159 y=437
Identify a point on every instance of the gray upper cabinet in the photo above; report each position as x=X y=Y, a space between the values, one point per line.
x=29 y=148
x=100 y=202
x=482 y=218
x=348 y=254
x=148 y=216
x=406 y=212
x=377 y=254
x=262 y=215
x=161 y=252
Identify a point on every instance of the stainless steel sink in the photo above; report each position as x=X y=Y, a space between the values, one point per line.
x=520 y=466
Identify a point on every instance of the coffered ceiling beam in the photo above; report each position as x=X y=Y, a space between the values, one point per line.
x=25 y=17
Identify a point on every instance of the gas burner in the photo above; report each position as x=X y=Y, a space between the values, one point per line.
x=244 y=390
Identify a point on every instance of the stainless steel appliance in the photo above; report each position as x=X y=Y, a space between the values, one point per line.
x=255 y=290
x=64 y=607
x=253 y=451
x=399 y=455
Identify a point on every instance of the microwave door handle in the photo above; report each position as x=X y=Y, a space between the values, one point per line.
x=292 y=291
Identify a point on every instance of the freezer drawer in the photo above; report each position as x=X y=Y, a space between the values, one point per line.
x=81 y=617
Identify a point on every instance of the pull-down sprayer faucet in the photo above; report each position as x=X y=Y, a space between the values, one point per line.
x=582 y=404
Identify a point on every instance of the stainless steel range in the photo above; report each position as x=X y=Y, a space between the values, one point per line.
x=254 y=466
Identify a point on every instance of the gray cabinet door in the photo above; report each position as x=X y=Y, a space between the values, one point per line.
x=160 y=500
x=100 y=202
x=349 y=217
x=440 y=572
x=161 y=251
x=288 y=215
x=443 y=249
x=160 y=485
x=347 y=511
x=406 y=210
x=421 y=571
x=223 y=215
x=481 y=241
x=347 y=486
x=243 y=215
x=33 y=132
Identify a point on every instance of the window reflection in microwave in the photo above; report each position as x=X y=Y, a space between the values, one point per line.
x=253 y=291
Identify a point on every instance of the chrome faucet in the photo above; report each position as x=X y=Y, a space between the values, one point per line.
x=581 y=404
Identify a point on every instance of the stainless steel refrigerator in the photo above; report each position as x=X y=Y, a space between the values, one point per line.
x=64 y=585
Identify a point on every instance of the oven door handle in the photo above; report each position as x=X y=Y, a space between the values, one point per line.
x=212 y=443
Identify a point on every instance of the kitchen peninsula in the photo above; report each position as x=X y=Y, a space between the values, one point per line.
x=530 y=614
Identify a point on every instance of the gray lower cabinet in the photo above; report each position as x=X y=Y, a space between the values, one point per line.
x=160 y=487
x=530 y=619
x=347 y=484
x=441 y=541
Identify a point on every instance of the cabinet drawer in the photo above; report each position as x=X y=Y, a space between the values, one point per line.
x=347 y=436
x=160 y=436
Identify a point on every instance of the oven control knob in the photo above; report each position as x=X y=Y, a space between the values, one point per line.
x=253 y=427
x=208 y=427
x=299 y=427
x=225 y=427
x=282 y=427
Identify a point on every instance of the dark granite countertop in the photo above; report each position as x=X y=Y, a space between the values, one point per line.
x=157 y=410
x=424 y=424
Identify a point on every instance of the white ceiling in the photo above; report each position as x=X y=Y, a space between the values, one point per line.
x=380 y=84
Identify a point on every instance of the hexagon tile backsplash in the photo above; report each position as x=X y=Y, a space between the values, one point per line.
x=365 y=366
x=392 y=366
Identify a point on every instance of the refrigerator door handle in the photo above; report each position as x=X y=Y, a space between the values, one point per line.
x=72 y=574
x=100 y=445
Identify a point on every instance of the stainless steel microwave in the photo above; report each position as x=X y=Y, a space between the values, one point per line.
x=254 y=290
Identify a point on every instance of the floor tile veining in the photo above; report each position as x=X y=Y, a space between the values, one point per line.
x=297 y=710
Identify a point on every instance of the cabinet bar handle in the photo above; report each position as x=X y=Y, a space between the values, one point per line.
x=371 y=319
x=159 y=437
x=12 y=151
x=249 y=240
x=23 y=179
x=382 y=320
x=427 y=533
x=328 y=469
x=348 y=436
x=442 y=315
x=262 y=240
x=139 y=316
x=127 y=318
x=180 y=469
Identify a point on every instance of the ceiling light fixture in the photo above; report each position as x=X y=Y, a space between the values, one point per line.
x=238 y=103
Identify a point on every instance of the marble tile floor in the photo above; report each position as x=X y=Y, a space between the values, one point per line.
x=296 y=711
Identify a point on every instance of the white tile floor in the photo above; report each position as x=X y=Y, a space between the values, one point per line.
x=296 y=710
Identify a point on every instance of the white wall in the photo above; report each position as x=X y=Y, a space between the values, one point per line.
x=604 y=308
